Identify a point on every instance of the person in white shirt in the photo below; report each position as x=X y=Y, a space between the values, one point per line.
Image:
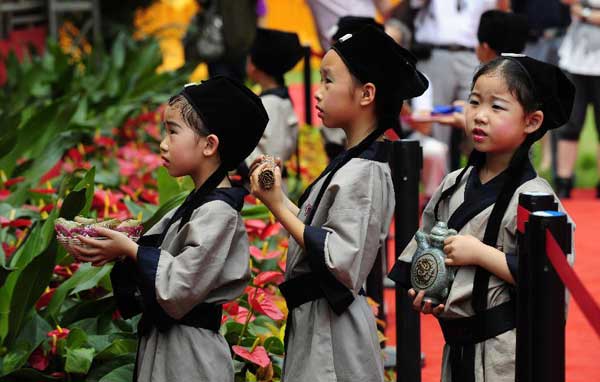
x=448 y=30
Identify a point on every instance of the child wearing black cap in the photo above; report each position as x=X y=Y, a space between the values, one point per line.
x=343 y=217
x=272 y=55
x=196 y=257
x=514 y=100
x=334 y=138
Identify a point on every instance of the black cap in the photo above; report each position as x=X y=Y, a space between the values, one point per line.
x=232 y=112
x=275 y=52
x=551 y=87
x=373 y=56
x=352 y=24
x=503 y=31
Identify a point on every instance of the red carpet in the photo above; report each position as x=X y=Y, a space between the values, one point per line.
x=583 y=346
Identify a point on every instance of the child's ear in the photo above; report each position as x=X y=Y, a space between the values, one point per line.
x=367 y=95
x=211 y=147
x=534 y=121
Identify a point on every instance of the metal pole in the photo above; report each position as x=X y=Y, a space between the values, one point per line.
x=406 y=162
x=529 y=202
x=307 y=87
x=548 y=298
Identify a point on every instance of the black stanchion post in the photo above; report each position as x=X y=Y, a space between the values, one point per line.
x=406 y=162
x=547 y=361
x=529 y=202
x=307 y=86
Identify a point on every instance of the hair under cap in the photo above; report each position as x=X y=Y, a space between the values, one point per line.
x=232 y=112
x=504 y=32
x=551 y=87
x=373 y=56
x=275 y=52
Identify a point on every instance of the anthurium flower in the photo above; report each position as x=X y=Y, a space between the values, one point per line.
x=259 y=254
x=14 y=181
x=257 y=356
x=38 y=360
x=267 y=277
x=4 y=194
x=8 y=249
x=15 y=223
x=270 y=230
x=45 y=298
x=57 y=334
x=263 y=303
x=53 y=172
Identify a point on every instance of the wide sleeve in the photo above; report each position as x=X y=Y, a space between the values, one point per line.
x=179 y=281
x=359 y=204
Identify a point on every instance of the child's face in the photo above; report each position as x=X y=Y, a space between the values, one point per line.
x=337 y=101
x=496 y=121
x=180 y=148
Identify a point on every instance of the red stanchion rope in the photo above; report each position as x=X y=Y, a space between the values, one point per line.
x=557 y=258
x=584 y=299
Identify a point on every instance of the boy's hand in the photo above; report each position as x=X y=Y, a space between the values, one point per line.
x=463 y=250
x=101 y=252
x=272 y=198
x=424 y=307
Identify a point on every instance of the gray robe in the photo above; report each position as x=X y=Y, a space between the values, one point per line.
x=206 y=261
x=498 y=353
x=350 y=225
x=280 y=135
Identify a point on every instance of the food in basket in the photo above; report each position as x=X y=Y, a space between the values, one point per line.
x=67 y=231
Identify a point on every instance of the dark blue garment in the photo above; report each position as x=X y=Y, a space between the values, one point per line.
x=543 y=14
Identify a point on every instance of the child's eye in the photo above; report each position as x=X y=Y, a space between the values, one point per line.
x=473 y=102
x=498 y=107
x=327 y=80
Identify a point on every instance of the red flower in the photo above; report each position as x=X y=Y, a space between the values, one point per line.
x=13 y=181
x=263 y=303
x=250 y=199
x=57 y=334
x=151 y=196
x=16 y=223
x=45 y=191
x=4 y=194
x=105 y=142
x=257 y=356
x=268 y=277
x=38 y=360
x=270 y=230
x=259 y=255
x=67 y=270
x=8 y=249
x=53 y=172
x=45 y=298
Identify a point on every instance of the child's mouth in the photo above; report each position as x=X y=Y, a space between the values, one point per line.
x=165 y=161
x=478 y=135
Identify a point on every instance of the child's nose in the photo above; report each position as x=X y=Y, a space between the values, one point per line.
x=318 y=94
x=163 y=145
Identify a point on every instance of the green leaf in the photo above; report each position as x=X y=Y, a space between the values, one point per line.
x=164 y=209
x=86 y=277
x=120 y=374
x=250 y=377
x=29 y=286
x=14 y=359
x=118 y=348
x=168 y=187
x=86 y=309
x=77 y=339
x=73 y=204
x=100 y=369
x=146 y=210
x=274 y=345
x=79 y=360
